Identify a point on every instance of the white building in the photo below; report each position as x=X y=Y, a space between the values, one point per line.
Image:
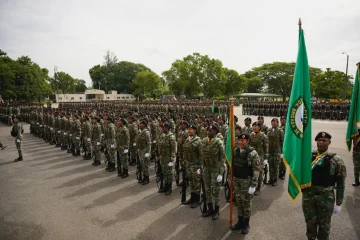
x=93 y=95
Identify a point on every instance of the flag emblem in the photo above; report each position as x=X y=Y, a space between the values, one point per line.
x=298 y=117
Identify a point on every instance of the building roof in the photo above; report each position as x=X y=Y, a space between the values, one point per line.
x=257 y=95
x=94 y=91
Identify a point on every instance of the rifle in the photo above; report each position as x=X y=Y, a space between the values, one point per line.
x=159 y=175
x=226 y=185
x=203 y=203
x=184 y=185
x=177 y=170
x=266 y=170
x=118 y=163
x=138 y=167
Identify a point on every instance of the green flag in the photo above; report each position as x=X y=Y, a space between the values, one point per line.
x=354 y=115
x=297 y=144
x=230 y=138
x=213 y=107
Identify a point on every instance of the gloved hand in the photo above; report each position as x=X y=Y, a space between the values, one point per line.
x=154 y=141
x=18 y=140
x=171 y=164
x=101 y=135
x=51 y=129
x=266 y=162
x=40 y=125
x=126 y=151
x=251 y=190
x=70 y=135
x=65 y=134
x=77 y=138
x=219 y=178
x=88 y=139
x=198 y=171
x=98 y=143
x=112 y=146
x=337 y=209
x=147 y=155
x=281 y=156
x=58 y=131
x=134 y=144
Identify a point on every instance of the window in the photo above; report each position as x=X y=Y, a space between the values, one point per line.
x=80 y=98
x=127 y=97
x=72 y=98
x=123 y=97
x=60 y=98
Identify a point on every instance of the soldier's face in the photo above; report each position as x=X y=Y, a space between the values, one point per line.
x=141 y=126
x=243 y=143
x=211 y=132
x=323 y=144
x=282 y=121
x=191 y=131
x=237 y=132
x=256 y=128
x=247 y=123
x=260 y=120
x=274 y=124
x=120 y=124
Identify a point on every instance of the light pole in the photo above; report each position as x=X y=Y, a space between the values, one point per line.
x=347 y=66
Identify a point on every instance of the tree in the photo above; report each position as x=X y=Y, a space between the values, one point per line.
x=148 y=84
x=80 y=85
x=235 y=83
x=195 y=74
x=97 y=75
x=63 y=82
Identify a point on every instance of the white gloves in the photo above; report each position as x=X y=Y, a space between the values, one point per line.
x=337 y=209
x=77 y=138
x=58 y=131
x=65 y=134
x=154 y=141
x=126 y=151
x=198 y=171
x=134 y=144
x=51 y=129
x=171 y=164
x=18 y=140
x=147 y=155
x=98 y=143
x=40 y=125
x=112 y=146
x=70 y=135
x=281 y=156
x=102 y=135
x=266 y=162
x=219 y=178
x=88 y=139
x=251 y=190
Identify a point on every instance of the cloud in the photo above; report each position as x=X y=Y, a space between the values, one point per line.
x=74 y=35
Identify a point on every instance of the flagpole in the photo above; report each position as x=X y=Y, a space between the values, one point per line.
x=232 y=137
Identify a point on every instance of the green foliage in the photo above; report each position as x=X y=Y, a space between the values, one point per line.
x=80 y=85
x=148 y=85
x=63 y=82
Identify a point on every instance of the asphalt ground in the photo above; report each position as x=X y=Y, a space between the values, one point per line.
x=52 y=195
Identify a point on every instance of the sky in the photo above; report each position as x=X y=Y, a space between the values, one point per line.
x=75 y=34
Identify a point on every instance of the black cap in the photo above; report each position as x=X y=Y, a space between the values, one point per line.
x=214 y=127
x=184 y=122
x=193 y=127
x=322 y=135
x=123 y=120
x=274 y=120
x=260 y=117
x=282 y=117
x=110 y=118
x=144 y=122
x=243 y=136
x=248 y=119
x=256 y=124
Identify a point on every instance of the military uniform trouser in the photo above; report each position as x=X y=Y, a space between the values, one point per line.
x=153 y=150
x=282 y=167
x=76 y=142
x=194 y=178
x=57 y=136
x=261 y=173
x=318 y=208
x=274 y=161
x=65 y=137
x=212 y=186
x=123 y=157
x=18 y=144
x=242 y=197
x=168 y=172
x=95 y=149
x=144 y=162
x=111 y=151
x=356 y=161
x=132 y=150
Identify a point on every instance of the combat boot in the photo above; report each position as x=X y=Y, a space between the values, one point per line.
x=246 y=227
x=69 y=150
x=356 y=183
x=3 y=147
x=20 y=158
x=169 y=189
x=271 y=181
x=119 y=171
x=146 y=180
x=141 y=179
x=257 y=191
x=112 y=167
x=63 y=147
x=190 y=200
x=108 y=166
x=215 y=214
x=282 y=175
x=196 y=200
x=133 y=162
x=57 y=145
x=274 y=183
x=125 y=173
x=97 y=163
x=164 y=189
x=238 y=225
x=209 y=211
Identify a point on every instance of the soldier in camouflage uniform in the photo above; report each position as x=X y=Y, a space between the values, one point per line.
x=320 y=201
x=86 y=137
x=203 y=126
x=110 y=139
x=263 y=128
x=76 y=135
x=356 y=159
x=276 y=140
x=214 y=167
x=223 y=127
x=182 y=135
x=259 y=141
x=247 y=128
x=143 y=143
x=62 y=130
x=154 y=129
x=246 y=170
x=192 y=162
x=17 y=133
x=167 y=154
x=96 y=141
x=133 y=131
x=123 y=140
x=282 y=168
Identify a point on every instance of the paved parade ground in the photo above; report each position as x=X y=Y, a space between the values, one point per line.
x=52 y=195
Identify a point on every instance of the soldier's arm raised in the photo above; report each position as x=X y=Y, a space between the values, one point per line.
x=340 y=171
